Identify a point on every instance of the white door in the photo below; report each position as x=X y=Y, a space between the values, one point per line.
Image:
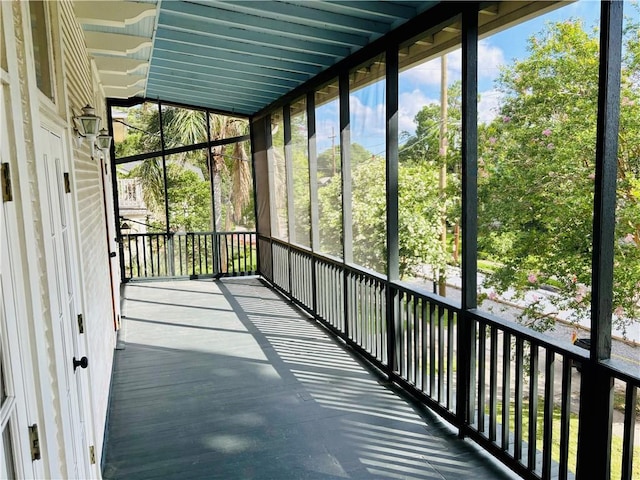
x=16 y=381
x=60 y=254
x=15 y=453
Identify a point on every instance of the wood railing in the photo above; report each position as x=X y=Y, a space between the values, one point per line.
x=507 y=387
x=191 y=254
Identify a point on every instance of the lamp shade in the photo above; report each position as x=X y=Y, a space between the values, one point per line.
x=89 y=122
x=103 y=140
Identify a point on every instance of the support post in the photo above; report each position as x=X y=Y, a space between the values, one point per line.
x=596 y=392
x=466 y=343
x=288 y=162
x=217 y=261
x=393 y=246
x=345 y=165
x=314 y=213
x=169 y=236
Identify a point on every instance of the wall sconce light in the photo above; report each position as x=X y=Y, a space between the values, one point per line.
x=89 y=124
x=103 y=140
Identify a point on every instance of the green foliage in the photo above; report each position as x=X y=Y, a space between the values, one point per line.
x=229 y=167
x=189 y=200
x=537 y=170
x=368 y=212
x=419 y=222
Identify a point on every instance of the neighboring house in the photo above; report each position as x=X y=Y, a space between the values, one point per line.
x=133 y=211
x=60 y=287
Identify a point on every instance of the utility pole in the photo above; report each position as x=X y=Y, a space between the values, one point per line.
x=442 y=277
x=333 y=149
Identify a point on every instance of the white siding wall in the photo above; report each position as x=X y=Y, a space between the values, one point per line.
x=82 y=88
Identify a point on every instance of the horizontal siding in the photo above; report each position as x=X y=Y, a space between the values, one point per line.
x=81 y=89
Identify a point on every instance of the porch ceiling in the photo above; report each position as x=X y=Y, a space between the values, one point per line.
x=228 y=55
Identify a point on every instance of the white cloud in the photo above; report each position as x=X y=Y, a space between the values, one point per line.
x=427 y=73
x=490 y=58
x=489 y=105
x=367 y=122
x=410 y=103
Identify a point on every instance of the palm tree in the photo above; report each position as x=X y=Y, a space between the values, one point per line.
x=227 y=166
x=189 y=127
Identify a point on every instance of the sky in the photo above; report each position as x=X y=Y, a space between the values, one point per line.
x=420 y=85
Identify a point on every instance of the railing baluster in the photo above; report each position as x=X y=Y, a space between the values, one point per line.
x=426 y=308
x=406 y=335
x=493 y=383
x=245 y=254
x=151 y=253
x=550 y=360
x=482 y=372
x=416 y=340
x=533 y=407
x=137 y=257
x=506 y=388
x=400 y=340
x=630 y=402
x=199 y=254
x=441 y=319
x=206 y=254
x=370 y=313
x=233 y=237
x=517 y=414
x=565 y=418
x=433 y=318
x=193 y=254
x=451 y=321
x=380 y=330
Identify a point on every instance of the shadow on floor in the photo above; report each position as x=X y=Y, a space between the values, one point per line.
x=226 y=380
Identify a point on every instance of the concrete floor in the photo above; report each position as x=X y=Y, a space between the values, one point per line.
x=226 y=380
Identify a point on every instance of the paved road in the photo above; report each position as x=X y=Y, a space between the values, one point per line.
x=621 y=350
x=626 y=351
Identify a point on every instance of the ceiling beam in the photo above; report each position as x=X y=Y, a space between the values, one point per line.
x=183 y=48
x=119 y=16
x=223 y=16
x=207 y=26
x=238 y=46
x=114 y=43
x=307 y=15
x=220 y=70
x=197 y=55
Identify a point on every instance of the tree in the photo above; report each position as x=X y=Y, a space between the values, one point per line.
x=229 y=169
x=189 y=199
x=419 y=221
x=537 y=165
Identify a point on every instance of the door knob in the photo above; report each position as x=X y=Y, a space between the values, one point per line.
x=82 y=363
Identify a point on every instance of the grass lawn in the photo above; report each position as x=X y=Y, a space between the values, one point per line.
x=616 y=442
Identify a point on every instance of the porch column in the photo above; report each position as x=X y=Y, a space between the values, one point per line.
x=596 y=392
x=466 y=346
x=393 y=267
